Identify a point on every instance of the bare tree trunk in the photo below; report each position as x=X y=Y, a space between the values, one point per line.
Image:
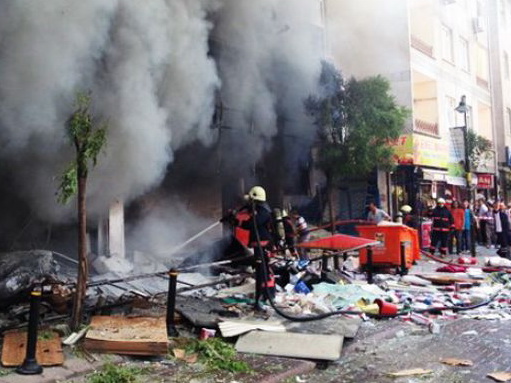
x=83 y=270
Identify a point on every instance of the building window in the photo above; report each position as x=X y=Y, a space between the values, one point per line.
x=506 y=65
x=450 y=103
x=464 y=55
x=447 y=52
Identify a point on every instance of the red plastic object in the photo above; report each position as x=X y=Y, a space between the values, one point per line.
x=467 y=261
x=426 y=235
x=388 y=250
x=386 y=308
x=241 y=234
x=451 y=269
x=340 y=242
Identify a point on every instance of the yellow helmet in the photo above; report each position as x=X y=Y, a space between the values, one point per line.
x=257 y=193
x=406 y=209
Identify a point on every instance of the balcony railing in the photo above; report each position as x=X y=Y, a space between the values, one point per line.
x=426 y=127
x=422 y=46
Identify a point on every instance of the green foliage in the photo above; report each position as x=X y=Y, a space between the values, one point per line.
x=480 y=149
x=88 y=140
x=4 y=371
x=46 y=335
x=112 y=373
x=355 y=121
x=217 y=355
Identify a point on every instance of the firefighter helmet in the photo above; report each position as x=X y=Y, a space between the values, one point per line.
x=406 y=209
x=257 y=193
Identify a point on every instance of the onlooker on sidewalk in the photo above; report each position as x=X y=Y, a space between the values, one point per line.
x=469 y=223
x=376 y=215
x=502 y=229
x=458 y=215
x=483 y=218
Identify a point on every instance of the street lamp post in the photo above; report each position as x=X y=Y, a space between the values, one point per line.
x=463 y=109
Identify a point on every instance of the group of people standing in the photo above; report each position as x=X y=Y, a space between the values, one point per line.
x=455 y=225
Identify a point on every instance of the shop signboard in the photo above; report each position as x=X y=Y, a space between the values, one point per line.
x=430 y=151
x=484 y=181
x=403 y=149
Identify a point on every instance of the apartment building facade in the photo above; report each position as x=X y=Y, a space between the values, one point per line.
x=433 y=52
x=499 y=27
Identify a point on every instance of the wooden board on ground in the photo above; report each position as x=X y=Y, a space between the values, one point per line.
x=127 y=335
x=289 y=344
x=48 y=351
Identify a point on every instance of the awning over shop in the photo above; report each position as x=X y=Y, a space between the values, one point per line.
x=434 y=175
x=457 y=181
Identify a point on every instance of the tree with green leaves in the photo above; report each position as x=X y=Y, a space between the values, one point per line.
x=480 y=149
x=88 y=139
x=355 y=120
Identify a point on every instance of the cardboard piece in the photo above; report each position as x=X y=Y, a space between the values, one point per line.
x=127 y=335
x=48 y=351
x=230 y=328
x=294 y=345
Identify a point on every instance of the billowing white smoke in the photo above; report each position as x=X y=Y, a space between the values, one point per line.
x=152 y=79
x=271 y=62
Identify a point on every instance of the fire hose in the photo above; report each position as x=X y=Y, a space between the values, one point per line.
x=311 y=318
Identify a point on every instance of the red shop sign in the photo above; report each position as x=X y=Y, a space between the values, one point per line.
x=485 y=181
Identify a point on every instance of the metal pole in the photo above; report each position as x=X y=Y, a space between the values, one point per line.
x=324 y=263
x=468 y=175
x=336 y=262
x=369 y=265
x=30 y=365
x=404 y=269
x=171 y=304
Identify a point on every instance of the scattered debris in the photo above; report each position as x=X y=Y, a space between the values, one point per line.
x=411 y=372
x=457 y=362
x=502 y=376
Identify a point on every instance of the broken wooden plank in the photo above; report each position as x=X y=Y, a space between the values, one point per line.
x=294 y=345
x=48 y=351
x=127 y=335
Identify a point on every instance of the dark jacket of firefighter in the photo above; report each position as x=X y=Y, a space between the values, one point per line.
x=442 y=219
x=263 y=223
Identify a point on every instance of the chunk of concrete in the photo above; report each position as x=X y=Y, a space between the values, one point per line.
x=289 y=344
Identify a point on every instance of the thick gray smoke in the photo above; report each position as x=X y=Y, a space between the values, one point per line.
x=152 y=77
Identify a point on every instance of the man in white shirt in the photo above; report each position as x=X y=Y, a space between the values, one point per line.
x=376 y=215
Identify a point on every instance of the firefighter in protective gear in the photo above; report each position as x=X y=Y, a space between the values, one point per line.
x=259 y=226
x=257 y=193
x=408 y=218
x=290 y=233
x=443 y=223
